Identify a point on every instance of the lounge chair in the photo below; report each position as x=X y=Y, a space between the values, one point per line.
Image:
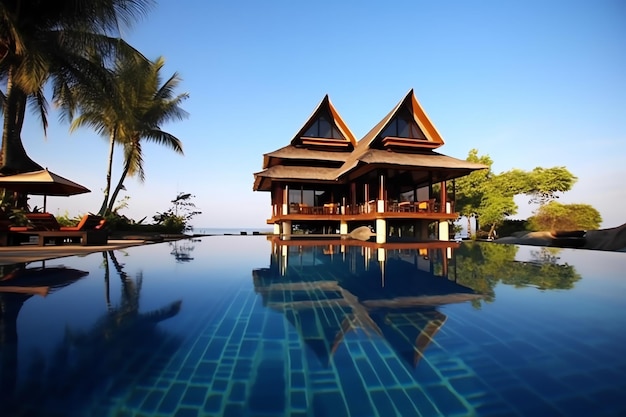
x=89 y=231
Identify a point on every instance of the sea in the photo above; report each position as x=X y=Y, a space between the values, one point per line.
x=230 y=230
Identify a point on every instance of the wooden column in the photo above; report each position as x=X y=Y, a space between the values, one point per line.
x=443 y=197
x=353 y=197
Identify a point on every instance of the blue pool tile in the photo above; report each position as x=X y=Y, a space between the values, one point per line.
x=234 y=410
x=446 y=401
x=382 y=403
x=213 y=403
x=215 y=349
x=497 y=408
x=400 y=371
x=401 y=400
x=299 y=400
x=268 y=391
x=248 y=348
x=370 y=378
x=185 y=374
x=295 y=359
x=422 y=402
x=424 y=373
x=382 y=370
x=329 y=404
x=524 y=399
x=243 y=369
x=172 y=398
x=298 y=380
x=468 y=385
x=220 y=385
x=274 y=329
x=187 y=412
x=152 y=401
x=225 y=328
x=205 y=369
x=137 y=397
x=237 y=392
x=195 y=395
x=354 y=390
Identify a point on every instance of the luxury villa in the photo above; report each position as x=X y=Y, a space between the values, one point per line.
x=392 y=180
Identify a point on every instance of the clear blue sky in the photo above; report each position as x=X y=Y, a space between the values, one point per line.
x=531 y=83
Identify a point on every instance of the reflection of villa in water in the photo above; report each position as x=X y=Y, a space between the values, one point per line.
x=327 y=291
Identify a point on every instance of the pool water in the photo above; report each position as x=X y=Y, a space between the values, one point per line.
x=247 y=326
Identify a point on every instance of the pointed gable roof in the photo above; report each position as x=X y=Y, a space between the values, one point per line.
x=405 y=126
x=414 y=148
x=325 y=129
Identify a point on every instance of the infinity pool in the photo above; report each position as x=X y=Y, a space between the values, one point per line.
x=246 y=326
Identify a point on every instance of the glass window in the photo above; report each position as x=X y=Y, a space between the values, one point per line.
x=311 y=132
x=295 y=195
x=403 y=128
x=390 y=130
x=416 y=132
x=324 y=128
x=337 y=134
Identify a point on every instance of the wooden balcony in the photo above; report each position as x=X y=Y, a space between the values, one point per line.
x=428 y=210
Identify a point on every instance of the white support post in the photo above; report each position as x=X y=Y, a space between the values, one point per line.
x=343 y=227
x=381 y=231
x=287 y=230
x=444 y=233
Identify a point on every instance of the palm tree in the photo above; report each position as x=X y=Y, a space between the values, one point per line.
x=135 y=113
x=43 y=40
x=154 y=105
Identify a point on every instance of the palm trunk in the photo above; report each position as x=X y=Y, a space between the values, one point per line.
x=107 y=188
x=13 y=159
x=118 y=188
x=107 y=288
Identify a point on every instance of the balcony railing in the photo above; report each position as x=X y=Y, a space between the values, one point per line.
x=426 y=206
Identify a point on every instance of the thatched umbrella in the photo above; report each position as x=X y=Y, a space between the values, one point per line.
x=41 y=182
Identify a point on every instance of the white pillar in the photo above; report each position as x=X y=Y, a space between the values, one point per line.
x=343 y=227
x=276 y=228
x=381 y=231
x=284 y=251
x=380 y=206
x=444 y=234
x=286 y=230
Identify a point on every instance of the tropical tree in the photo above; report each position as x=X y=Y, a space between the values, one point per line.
x=153 y=105
x=470 y=190
x=132 y=114
x=557 y=216
x=489 y=197
x=56 y=41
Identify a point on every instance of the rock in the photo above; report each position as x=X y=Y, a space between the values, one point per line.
x=613 y=239
x=361 y=233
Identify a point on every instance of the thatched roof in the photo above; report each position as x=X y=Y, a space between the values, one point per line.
x=415 y=154
x=295 y=173
x=298 y=153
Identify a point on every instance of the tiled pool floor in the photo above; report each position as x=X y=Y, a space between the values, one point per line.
x=339 y=334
